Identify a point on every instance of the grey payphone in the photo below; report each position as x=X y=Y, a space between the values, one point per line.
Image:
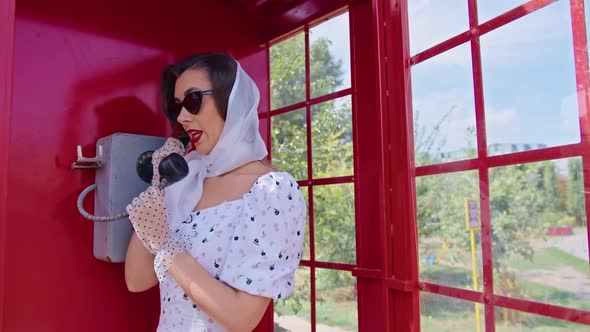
x=123 y=170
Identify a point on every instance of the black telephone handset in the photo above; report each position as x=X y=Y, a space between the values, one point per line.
x=172 y=168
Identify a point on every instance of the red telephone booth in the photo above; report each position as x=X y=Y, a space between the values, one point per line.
x=439 y=144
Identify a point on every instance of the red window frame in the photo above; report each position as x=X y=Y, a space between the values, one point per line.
x=384 y=170
x=398 y=82
x=311 y=182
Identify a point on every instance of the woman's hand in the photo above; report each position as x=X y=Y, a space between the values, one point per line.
x=147 y=212
x=148 y=217
x=172 y=145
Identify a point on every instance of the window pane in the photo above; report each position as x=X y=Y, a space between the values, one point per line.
x=518 y=321
x=329 y=53
x=294 y=313
x=432 y=22
x=446 y=314
x=529 y=82
x=263 y=128
x=333 y=207
x=444 y=111
x=487 y=10
x=539 y=235
x=287 y=72
x=289 y=143
x=336 y=306
x=306 y=248
x=445 y=245
x=331 y=130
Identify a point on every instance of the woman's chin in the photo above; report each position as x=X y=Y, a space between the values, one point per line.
x=202 y=149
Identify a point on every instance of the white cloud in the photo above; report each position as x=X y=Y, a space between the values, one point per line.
x=536 y=38
x=432 y=22
x=457 y=106
x=501 y=117
x=503 y=125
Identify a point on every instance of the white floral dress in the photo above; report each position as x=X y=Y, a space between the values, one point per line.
x=252 y=244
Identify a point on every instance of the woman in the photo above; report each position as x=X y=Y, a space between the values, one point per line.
x=226 y=239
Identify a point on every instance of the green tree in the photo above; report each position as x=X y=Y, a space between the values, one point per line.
x=331 y=132
x=575 y=191
x=523 y=199
x=550 y=185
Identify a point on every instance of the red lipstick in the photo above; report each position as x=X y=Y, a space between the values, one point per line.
x=195 y=135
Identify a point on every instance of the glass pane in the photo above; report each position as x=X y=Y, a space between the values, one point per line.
x=446 y=314
x=329 y=51
x=306 y=247
x=294 y=313
x=263 y=128
x=331 y=132
x=448 y=249
x=333 y=207
x=444 y=109
x=289 y=143
x=539 y=235
x=529 y=82
x=287 y=72
x=336 y=306
x=487 y=10
x=518 y=321
x=432 y=22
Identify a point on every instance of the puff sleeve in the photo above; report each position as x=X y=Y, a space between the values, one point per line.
x=265 y=248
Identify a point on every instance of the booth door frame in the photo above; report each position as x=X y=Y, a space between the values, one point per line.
x=7 y=20
x=404 y=282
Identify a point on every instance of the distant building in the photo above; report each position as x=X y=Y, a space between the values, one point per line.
x=502 y=148
x=493 y=149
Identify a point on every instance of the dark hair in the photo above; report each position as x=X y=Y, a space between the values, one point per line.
x=221 y=69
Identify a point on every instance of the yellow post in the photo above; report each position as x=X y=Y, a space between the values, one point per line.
x=471 y=222
x=474 y=267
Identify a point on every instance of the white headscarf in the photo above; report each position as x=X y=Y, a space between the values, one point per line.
x=240 y=142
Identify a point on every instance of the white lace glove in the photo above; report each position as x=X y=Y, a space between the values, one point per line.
x=148 y=216
x=147 y=212
x=172 y=145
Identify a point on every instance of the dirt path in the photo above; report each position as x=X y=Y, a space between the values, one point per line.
x=576 y=245
x=297 y=324
x=564 y=277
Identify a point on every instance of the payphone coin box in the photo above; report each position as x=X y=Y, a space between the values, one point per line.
x=117 y=183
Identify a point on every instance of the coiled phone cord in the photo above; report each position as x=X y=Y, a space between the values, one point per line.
x=93 y=217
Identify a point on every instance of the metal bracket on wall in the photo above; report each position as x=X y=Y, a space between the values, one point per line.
x=84 y=162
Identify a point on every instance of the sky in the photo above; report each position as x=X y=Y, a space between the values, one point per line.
x=527 y=66
x=337 y=30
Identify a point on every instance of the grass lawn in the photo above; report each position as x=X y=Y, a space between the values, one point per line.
x=440 y=313
x=551 y=258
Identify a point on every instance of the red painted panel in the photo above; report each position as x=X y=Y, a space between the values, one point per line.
x=406 y=310
x=70 y=88
x=7 y=14
x=295 y=15
x=182 y=26
x=371 y=180
x=81 y=73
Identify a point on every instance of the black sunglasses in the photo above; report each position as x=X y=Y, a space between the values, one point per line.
x=192 y=102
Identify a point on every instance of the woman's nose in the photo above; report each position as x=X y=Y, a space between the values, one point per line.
x=183 y=116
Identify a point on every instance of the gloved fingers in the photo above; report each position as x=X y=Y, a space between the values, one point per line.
x=172 y=145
